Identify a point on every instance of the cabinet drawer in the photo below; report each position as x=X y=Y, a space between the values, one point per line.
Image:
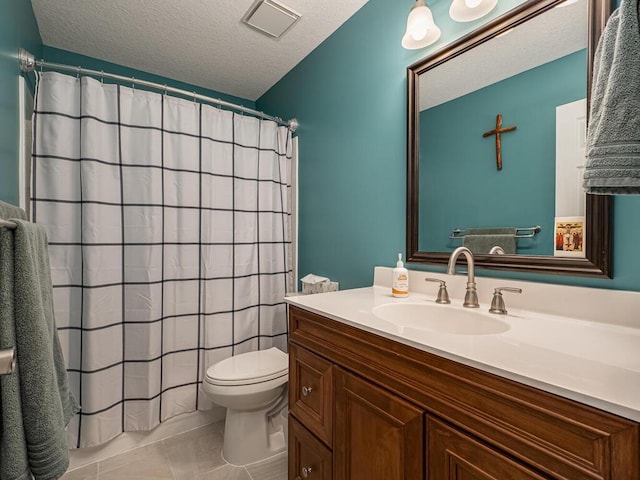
x=311 y=392
x=452 y=455
x=309 y=459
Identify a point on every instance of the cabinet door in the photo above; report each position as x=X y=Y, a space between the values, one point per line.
x=311 y=391
x=309 y=459
x=377 y=435
x=451 y=455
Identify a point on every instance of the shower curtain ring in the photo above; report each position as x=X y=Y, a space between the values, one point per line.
x=102 y=76
x=194 y=96
x=219 y=104
x=79 y=71
x=133 y=83
x=165 y=89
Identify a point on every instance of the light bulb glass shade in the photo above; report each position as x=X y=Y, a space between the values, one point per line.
x=470 y=10
x=421 y=29
x=418 y=22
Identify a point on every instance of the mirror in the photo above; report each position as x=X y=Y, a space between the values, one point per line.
x=454 y=182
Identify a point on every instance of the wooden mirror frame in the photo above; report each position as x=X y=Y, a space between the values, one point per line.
x=599 y=208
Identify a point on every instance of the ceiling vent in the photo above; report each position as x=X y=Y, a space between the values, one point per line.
x=271 y=17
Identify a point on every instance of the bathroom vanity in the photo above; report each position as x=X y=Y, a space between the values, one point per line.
x=370 y=402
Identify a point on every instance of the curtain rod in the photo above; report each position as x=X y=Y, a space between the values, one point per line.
x=28 y=63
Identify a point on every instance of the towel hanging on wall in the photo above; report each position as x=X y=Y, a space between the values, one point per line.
x=8 y=211
x=482 y=240
x=35 y=401
x=613 y=136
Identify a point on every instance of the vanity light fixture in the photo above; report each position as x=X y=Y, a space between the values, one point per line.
x=421 y=29
x=470 y=10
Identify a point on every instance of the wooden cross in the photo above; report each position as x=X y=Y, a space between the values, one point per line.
x=497 y=132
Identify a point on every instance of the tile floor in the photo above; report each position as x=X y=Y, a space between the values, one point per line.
x=194 y=455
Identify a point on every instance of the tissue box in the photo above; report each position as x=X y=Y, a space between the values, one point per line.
x=316 y=284
x=320 y=287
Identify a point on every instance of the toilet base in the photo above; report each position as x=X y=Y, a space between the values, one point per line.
x=250 y=436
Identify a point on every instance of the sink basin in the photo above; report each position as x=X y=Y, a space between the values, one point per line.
x=408 y=317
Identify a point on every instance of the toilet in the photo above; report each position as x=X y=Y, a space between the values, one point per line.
x=252 y=387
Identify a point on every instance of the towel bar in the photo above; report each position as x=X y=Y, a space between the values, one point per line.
x=460 y=232
x=7 y=361
x=6 y=224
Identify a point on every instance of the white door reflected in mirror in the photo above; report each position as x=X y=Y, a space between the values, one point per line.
x=571 y=131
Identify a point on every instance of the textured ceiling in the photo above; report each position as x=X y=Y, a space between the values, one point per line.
x=547 y=37
x=201 y=42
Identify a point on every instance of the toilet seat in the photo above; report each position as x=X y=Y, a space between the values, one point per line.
x=249 y=368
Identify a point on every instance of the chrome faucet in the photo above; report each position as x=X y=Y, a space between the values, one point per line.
x=471 y=297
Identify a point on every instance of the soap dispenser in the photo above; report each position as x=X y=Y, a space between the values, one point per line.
x=400 y=285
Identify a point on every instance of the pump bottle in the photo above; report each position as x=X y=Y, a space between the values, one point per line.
x=400 y=285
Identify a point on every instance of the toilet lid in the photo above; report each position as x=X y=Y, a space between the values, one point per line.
x=251 y=367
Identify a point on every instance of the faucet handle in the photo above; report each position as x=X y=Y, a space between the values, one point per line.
x=497 y=304
x=443 y=295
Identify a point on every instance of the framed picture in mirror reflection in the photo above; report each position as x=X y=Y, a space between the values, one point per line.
x=569 y=235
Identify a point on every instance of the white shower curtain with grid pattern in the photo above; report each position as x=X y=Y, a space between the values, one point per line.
x=170 y=244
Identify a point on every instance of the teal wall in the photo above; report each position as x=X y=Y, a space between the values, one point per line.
x=18 y=28
x=458 y=159
x=349 y=95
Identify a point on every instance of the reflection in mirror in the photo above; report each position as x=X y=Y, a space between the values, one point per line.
x=524 y=77
x=524 y=74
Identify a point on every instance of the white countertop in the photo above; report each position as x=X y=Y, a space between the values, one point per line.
x=593 y=362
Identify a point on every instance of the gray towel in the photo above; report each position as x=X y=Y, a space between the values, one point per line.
x=44 y=397
x=13 y=446
x=482 y=244
x=8 y=211
x=613 y=136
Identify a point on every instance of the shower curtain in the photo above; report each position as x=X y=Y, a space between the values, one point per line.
x=170 y=244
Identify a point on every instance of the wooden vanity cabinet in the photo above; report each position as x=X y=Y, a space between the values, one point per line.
x=384 y=410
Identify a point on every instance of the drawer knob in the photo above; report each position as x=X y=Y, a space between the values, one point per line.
x=306 y=471
x=305 y=392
